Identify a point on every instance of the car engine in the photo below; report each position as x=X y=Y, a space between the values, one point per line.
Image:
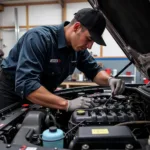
x=114 y=122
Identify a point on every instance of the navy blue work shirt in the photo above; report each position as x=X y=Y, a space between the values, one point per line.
x=41 y=57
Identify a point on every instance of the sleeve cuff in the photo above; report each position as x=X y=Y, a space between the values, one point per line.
x=32 y=88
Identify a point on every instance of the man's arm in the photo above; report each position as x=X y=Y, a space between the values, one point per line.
x=88 y=65
x=101 y=78
x=45 y=98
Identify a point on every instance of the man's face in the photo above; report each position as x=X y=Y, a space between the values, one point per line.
x=80 y=38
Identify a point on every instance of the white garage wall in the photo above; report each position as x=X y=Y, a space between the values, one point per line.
x=9 y=40
x=8 y=19
x=8 y=16
x=112 y=48
x=51 y=14
x=45 y=14
x=74 y=7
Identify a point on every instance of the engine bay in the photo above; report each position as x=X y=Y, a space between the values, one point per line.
x=119 y=122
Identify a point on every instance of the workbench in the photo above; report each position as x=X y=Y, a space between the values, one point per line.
x=68 y=84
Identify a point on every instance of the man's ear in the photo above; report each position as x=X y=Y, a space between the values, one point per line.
x=76 y=26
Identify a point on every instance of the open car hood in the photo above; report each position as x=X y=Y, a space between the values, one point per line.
x=128 y=21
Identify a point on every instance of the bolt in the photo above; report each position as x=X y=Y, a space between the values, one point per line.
x=85 y=147
x=129 y=147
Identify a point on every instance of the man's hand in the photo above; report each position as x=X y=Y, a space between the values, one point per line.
x=80 y=102
x=117 y=85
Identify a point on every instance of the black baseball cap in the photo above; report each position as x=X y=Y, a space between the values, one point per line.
x=94 y=21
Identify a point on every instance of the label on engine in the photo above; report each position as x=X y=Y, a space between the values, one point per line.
x=100 y=131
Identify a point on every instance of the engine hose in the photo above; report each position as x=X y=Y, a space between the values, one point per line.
x=54 y=120
x=132 y=122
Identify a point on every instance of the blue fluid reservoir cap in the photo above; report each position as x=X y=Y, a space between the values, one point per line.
x=53 y=129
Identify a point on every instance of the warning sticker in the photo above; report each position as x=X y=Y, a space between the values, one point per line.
x=100 y=131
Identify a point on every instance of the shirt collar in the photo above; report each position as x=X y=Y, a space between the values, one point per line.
x=61 y=35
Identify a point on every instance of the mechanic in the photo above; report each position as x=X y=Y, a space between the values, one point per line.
x=44 y=57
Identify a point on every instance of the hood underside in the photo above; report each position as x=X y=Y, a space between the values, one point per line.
x=128 y=21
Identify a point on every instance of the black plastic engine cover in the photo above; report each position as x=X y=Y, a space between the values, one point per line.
x=104 y=137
